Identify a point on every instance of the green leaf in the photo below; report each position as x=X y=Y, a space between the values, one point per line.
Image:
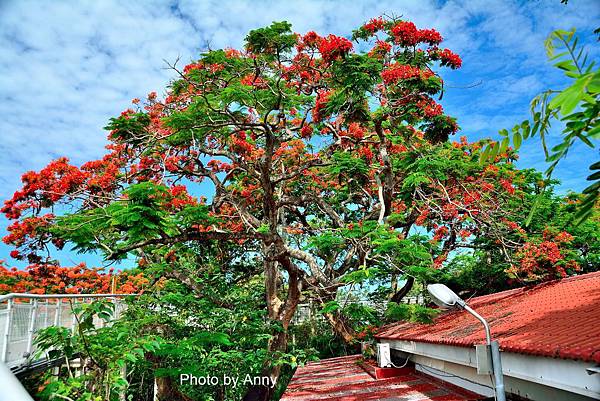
x=483 y=157
x=494 y=151
x=329 y=307
x=517 y=139
x=504 y=145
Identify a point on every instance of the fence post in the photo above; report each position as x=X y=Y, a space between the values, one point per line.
x=32 y=326
x=46 y=314
x=58 y=313
x=4 y=355
x=73 y=317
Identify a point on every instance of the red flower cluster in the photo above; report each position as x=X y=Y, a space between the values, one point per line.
x=180 y=198
x=439 y=233
x=449 y=211
x=51 y=279
x=397 y=71
x=252 y=80
x=355 y=131
x=218 y=166
x=374 y=25
x=50 y=184
x=240 y=143
x=447 y=58
x=430 y=107
x=380 y=49
x=430 y=36
x=406 y=34
x=191 y=67
x=366 y=152
x=333 y=47
x=306 y=131
x=546 y=259
x=507 y=185
x=311 y=39
x=320 y=103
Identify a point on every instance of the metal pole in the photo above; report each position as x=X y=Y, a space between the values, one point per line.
x=4 y=355
x=495 y=352
x=32 y=326
x=488 y=335
x=497 y=366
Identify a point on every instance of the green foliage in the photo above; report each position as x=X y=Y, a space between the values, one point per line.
x=273 y=40
x=411 y=313
x=129 y=127
x=140 y=216
x=576 y=107
x=345 y=163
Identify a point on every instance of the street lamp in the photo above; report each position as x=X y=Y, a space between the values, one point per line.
x=445 y=298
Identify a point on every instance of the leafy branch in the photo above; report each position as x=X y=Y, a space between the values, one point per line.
x=575 y=106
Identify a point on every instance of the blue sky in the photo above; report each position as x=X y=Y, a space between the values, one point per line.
x=66 y=67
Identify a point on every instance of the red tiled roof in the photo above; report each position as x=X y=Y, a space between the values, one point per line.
x=342 y=379
x=556 y=319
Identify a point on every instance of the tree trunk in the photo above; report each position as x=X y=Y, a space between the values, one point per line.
x=397 y=297
x=265 y=393
x=279 y=311
x=340 y=325
x=166 y=390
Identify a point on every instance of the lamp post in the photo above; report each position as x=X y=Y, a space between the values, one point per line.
x=445 y=298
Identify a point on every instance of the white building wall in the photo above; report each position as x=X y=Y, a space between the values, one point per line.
x=531 y=377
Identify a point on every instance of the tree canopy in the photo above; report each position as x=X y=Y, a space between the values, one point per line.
x=311 y=163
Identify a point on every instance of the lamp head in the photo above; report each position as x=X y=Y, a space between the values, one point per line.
x=444 y=297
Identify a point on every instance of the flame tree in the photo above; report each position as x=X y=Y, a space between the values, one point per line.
x=326 y=159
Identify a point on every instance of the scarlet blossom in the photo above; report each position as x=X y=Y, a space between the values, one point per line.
x=366 y=152
x=464 y=234
x=356 y=131
x=406 y=33
x=437 y=262
x=333 y=47
x=232 y=53
x=320 y=103
x=311 y=39
x=507 y=185
x=563 y=237
x=252 y=80
x=380 y=49
x=430 y=107
x=191 y=67
x=306 y=131
x=449 y=211
x=397 y=72
x=430 y=36
x=422 y=217
x=450 y=59
x=374 y=25
x=440 y=232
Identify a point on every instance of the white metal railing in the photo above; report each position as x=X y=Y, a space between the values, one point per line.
x=22 y=315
